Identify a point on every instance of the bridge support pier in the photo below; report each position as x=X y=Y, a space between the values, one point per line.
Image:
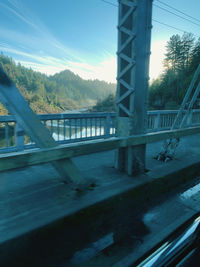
x=134 y=34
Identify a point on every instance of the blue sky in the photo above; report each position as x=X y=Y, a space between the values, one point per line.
x=80 y=35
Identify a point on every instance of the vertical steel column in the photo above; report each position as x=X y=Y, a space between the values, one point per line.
x=134 y=36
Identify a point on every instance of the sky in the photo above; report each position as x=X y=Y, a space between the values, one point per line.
x=81 y=35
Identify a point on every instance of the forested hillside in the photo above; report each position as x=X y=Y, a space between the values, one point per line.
x=108 y=104
x=65 y=90
x=181 y=60
x=167 y=91
x=62 y=91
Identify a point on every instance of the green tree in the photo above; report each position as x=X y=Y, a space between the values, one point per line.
x=64 y=90
x=187 y=45
x=174 y=53
x=105 y=105
x=195 y=56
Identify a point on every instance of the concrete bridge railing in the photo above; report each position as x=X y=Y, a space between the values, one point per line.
x=70 y=128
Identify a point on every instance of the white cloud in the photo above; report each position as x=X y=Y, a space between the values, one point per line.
x=18 y=12
x=29 y=50
x=105 y=70
x=39 y=38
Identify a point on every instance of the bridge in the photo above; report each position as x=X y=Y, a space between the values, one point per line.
x=56 y=224
x=78 y=127
x=84 y=189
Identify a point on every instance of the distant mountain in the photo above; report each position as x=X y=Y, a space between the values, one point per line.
x=62 y=91
x=74 y=87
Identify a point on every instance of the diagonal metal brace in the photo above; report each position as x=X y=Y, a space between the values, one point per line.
x=15 y=103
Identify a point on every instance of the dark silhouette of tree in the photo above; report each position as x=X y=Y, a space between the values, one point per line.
x=181 y=60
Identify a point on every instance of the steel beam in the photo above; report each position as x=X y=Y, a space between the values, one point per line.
x=134 y=35
x=29 y=121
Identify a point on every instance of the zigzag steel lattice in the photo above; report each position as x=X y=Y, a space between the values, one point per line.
x=134 y=32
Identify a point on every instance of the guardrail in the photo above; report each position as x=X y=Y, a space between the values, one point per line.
x=65 y=128
x=39 y=156
x=70 y=128
x=161 y=120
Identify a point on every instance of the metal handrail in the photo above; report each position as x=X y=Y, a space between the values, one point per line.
x=69 y=128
